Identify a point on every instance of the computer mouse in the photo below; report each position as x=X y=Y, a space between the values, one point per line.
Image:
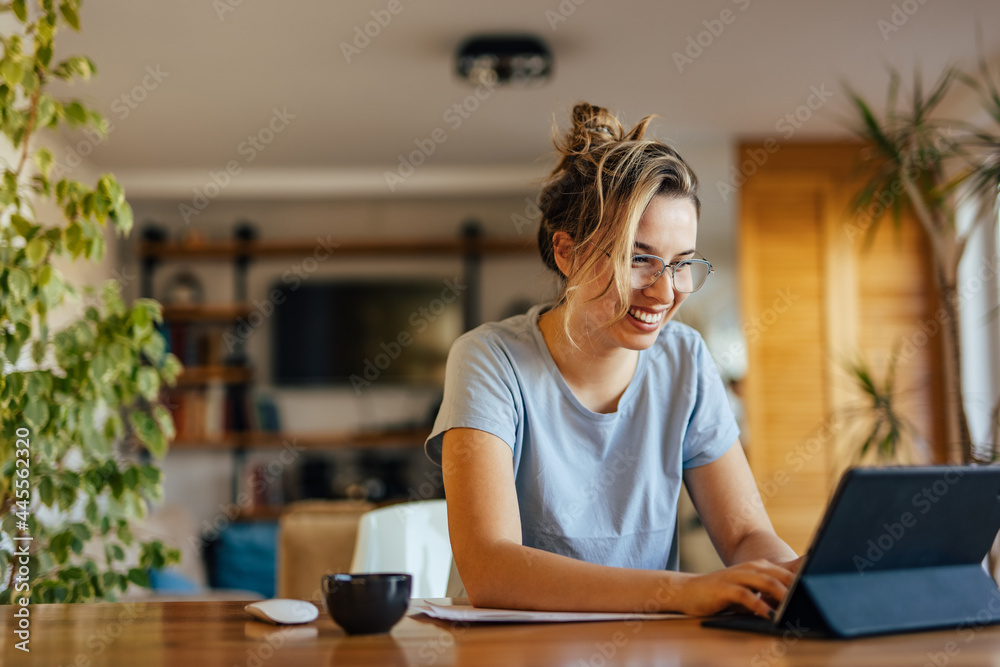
x=283 y=611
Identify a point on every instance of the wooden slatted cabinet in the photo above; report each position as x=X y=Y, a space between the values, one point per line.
x=816 y=294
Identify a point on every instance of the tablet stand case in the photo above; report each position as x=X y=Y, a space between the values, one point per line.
x=903 y=600
x=899 y=550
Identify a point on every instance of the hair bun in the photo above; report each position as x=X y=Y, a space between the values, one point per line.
x=592 y=127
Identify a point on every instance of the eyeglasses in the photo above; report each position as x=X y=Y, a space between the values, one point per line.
x=687 y=275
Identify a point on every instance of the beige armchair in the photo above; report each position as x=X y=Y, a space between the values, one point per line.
x=316 y=537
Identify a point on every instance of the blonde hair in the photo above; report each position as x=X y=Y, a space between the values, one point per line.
x=597 y=194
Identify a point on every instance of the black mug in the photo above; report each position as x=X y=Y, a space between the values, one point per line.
x=367 y=603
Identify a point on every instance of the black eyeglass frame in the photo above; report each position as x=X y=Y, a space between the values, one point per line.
x=673 y=270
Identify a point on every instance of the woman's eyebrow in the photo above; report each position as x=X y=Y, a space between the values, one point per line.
x=645 y=247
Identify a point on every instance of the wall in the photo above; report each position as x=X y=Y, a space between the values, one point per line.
x=979 y=280
x=78 y=273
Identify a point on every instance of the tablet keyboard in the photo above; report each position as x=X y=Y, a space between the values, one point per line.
x=759 y=624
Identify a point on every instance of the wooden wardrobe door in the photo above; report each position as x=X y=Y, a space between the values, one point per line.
x=815 y=296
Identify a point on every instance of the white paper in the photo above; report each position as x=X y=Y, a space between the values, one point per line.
x=460 y=610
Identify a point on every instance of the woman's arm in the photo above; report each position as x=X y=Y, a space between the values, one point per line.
x=726 y=497
x=498 y=571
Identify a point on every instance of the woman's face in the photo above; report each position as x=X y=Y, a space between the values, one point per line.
x=667 y=229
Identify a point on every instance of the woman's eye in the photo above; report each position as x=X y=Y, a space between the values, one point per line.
x=639 y=261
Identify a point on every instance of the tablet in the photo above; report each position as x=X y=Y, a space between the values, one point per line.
x=898 y=550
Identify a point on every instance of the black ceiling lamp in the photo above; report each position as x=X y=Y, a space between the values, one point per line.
x=518 y=60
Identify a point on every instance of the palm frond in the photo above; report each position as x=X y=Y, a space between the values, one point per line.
x=918 y=93
x=939 y=92
x=892 y=95
x=861 y=373
x=888 y=431
x=871 y=129
x=986 y=86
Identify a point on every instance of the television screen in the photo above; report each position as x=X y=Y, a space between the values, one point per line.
x=365 y=332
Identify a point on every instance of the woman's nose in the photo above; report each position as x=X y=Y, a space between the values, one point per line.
x=663 y=289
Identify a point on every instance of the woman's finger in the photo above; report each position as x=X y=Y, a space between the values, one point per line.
x=751 y=601
x=762 y=583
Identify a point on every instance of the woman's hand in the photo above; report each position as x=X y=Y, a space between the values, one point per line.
x=792 y=565
x=751 y=585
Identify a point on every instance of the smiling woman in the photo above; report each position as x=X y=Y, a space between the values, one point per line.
x=565 y=433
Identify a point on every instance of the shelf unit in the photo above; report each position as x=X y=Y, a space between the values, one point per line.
x=219 y=312
x=312 y=440
x=471 y=245
x=234 y=249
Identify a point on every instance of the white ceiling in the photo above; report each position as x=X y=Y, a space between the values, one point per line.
x=227 y=71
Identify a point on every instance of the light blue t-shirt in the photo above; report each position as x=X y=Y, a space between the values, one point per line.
x=601 y=488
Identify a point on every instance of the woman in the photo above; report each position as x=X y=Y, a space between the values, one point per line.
x=564 y=433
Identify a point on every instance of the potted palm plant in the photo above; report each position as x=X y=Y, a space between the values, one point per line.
x=919 y=160
x=73 y=401
x=877 y=421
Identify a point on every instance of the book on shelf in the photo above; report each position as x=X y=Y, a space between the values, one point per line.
x=196 y=343
x=268 y=419
x=215 y=402
x=210 y=411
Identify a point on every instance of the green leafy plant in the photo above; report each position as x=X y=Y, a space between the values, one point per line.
x=888 y=437
x=917 y=159
x=70 y=400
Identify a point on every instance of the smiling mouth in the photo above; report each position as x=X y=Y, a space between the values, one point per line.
x=646 y=316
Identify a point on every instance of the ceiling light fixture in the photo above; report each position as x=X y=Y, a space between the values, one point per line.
x=519 y=60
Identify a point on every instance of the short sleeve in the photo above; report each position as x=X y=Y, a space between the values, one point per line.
x=712 y=428
x=480 y=392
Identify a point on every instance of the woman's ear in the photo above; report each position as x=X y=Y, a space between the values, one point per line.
x=562 y=248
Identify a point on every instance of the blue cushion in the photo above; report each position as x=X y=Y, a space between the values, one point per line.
x=245 y=557
x=171 y=581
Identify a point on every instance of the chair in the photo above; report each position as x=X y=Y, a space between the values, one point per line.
x=317 y=537
x=412 y=538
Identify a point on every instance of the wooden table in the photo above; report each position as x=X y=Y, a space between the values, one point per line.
x=193 y=634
